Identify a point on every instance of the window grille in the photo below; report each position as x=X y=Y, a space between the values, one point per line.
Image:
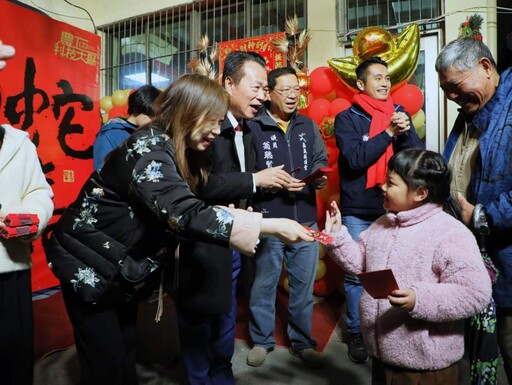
x=155 y=48
x=355 y=15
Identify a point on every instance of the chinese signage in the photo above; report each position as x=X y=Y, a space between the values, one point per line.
x=260 y=44
x=50 y=89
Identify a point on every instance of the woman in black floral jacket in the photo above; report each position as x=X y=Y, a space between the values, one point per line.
x=128 y=218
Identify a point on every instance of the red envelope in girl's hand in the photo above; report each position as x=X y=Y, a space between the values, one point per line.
x=379 y=283
x=319 y=235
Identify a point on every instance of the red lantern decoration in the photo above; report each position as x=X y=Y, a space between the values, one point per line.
x=323 y=81
x=410 y=97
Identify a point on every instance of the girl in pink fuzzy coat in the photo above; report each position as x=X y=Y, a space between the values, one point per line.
x=416 y=334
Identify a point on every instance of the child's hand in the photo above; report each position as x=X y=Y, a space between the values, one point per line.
x=405 y=299
x=332 y=219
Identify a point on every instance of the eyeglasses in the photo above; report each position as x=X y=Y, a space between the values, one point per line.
x=288 y=91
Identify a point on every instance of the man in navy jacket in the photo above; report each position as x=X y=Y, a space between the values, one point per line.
x=283 y=137
x=367 y=134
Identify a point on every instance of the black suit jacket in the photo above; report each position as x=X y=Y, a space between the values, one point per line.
x=206 y=269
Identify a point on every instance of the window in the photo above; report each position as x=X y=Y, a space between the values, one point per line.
x=354 y=15
x=156 y=48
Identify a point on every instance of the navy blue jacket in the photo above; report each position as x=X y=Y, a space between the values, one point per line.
x=109 y=137
x=358 y=153
x=301 y=146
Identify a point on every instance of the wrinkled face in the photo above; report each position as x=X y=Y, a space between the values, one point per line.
x=202 y=136
x=284 y=98
x=470 y=89
x=377 y=84
x=397 y=196
x=246 y=97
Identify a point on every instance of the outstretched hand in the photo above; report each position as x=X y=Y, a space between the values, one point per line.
x=286 y=230
x=405 y=299
x=332 y=219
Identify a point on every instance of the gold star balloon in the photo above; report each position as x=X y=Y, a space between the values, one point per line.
x=400 y=52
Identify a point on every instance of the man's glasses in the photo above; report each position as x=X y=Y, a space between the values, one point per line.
x=288 y=91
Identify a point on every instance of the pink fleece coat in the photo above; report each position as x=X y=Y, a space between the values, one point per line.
x=436 y=256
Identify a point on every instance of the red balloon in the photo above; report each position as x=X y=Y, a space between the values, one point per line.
x=342 y=91
x=323 y=287
x=410 y=97
x=118 y=111
x=323 y=81
x=318 y=109
x=338 y=105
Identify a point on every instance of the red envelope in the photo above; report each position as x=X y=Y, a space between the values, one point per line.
x=317 y=174
x=379 y=284
x=319 y=235
x=18 y=231
x=15 y=220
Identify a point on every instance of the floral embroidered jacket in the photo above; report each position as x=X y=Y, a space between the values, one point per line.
x=130 y=210
x=437 y=257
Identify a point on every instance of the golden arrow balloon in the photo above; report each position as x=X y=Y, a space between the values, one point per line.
x=401 y=53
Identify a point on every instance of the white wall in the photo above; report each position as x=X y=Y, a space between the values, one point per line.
x=102 y=11
x=322 y=23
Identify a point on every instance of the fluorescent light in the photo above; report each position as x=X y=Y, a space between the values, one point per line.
x=141 y=78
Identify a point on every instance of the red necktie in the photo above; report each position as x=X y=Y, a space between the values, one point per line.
x=238 y=128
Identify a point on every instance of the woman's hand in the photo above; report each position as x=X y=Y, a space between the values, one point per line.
x=332 y=219
x=405 y=299
x=286 y=230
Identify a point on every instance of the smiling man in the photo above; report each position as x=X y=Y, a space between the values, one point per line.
x=282 y=136
x=367 y=135
x=207 y=306
x=479 y=150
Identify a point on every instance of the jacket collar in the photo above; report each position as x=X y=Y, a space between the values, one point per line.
x=414 y=216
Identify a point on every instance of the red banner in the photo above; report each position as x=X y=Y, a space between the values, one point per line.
x=51 y=90
x=260 y=44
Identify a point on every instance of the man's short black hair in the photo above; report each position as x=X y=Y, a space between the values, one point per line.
x=142 y=100
x=234 y=62
x=277 y=73
x=362 y=67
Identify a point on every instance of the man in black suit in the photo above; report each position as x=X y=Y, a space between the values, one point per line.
x=207 y=298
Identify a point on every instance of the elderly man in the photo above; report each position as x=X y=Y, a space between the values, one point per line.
x=479 y=149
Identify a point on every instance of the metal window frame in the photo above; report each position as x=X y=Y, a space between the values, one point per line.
x=193 y=16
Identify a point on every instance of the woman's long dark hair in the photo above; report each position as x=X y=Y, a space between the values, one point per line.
x=185 y=105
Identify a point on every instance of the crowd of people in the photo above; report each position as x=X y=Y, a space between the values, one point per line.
x=203 y=186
